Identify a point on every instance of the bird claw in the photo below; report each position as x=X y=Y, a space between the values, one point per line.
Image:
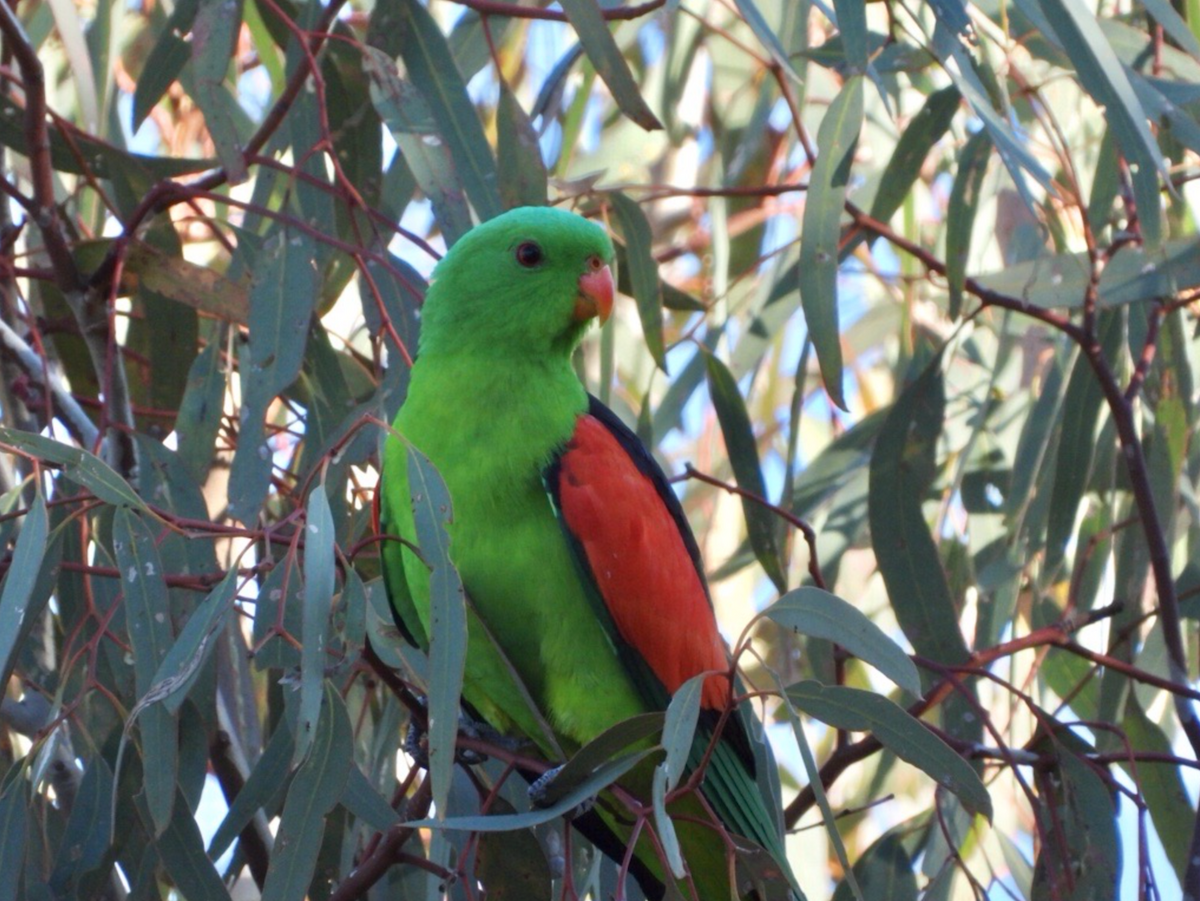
x=541 y=796
x=416 y=741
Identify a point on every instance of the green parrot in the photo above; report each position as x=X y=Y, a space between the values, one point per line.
x=581 y=571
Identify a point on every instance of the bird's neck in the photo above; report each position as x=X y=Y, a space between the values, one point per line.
x=463 y=406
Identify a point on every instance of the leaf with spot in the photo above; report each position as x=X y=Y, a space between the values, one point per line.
x=821 y=230
x=743 y=457
x=901 y=733
x=447 y=620
x=148 y=616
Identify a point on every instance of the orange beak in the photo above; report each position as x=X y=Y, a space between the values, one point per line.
x=595 y=295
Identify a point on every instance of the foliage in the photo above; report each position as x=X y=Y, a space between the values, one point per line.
x=916 y=292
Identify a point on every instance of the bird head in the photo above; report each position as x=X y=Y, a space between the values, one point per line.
x=530 y=280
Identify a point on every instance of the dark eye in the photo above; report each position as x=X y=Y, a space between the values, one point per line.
x=529 y=254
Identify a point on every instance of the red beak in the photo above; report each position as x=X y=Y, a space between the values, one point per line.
x=595 y=295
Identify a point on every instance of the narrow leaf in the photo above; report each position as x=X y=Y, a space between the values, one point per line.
x=148 y=615
x=821 y=230
x=319 y=542
x=743 y=457
x=14 y=832
x=762 y=29
x=362 y=799
x=604 y=54
x=902 y=466
x=679 y=728
x=643 y=273
x=213 y=33
x=165 y=62
x=282 y=299
x=663 y=823
x=816 y=613
x=902 y=734
x=916 y=140
x=447 y=620
x=522 y=171
x=19 y=582
x=80 y=466
x=181 y=848
x=433 y=72
x=409 y=120
x=316 y=788
x=197 y=640
x=960 y=214
x=600 y=779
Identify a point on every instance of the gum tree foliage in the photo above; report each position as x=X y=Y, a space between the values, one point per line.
x=914 y=321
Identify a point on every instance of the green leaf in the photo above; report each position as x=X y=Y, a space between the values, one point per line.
x=679 y=728
x=643 y=273
x=599 y=751
x=264 y=789
x=282 y=299
x=14 y=832
x=898 y=731
x=604 y=54
x=852 y=24
x=433 y=72
x=885 y=870
x=148 y=616
x=1083 y=856
x=197 y=640
x=213 y=34
x=1134 y=275
x=960 y=214
x=762 y=29
x=816 y=613
x=821 y=230
x=600 y=779
x=19 y=582
x=80 y=466
x=83 y=154
x=902 y=467
x=200 y=411
x=315 y=789
x=663 y=824
x=319 y=564
x=447 y=620
x=512 y=865
x=522 y=171
x=743 y=457
x=166 y=60
x=362 y=799
x=1103 y=76
x=916 y=140
x=181 y=848
x=1081 y=411
x=86 y=845
x=1161 y=784
x=961 y=67
x=404 y=111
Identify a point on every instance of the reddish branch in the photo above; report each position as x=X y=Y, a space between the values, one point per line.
x=843 y=757
x=516 y=11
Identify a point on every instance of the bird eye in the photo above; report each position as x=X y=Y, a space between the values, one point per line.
x=529 y=254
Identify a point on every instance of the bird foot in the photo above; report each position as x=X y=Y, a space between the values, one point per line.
x=542 y=795
x=416 y=741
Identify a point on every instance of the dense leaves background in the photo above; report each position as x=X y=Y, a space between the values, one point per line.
x=915 y=322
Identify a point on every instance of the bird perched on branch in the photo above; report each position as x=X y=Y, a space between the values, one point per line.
x=581 y=571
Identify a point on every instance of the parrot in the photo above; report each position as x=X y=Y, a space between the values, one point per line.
x=583 y=577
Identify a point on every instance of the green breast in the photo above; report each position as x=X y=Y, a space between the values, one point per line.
x=490 y=431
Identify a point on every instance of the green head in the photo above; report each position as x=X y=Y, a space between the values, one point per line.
x=527 y=282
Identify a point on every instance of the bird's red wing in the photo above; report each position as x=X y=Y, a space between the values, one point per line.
x=642 y=562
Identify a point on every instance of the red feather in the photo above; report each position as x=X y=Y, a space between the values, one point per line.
x=638 y=558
